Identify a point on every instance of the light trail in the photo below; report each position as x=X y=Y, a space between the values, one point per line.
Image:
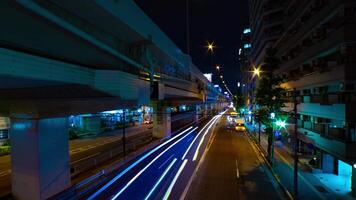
x=196 y=137
x=134 y=164
x=160 y=179
x=175 y=180
x=148 y=165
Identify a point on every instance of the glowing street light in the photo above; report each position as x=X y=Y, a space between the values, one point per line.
x=210 y=47
x=281 y=124
x=218 y=67
x=256 y=71
x=221 y=76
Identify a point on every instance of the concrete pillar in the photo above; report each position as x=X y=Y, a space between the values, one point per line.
x=161 y=121
x=206 y=110
x=39 y=157
x=197 y=113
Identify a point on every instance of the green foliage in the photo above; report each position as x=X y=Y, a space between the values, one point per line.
x=270 y=95
x=7 y=143
x=238 y=101
x=75 y=133
x=5 y=149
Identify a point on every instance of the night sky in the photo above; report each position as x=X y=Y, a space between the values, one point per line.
x=220 y=21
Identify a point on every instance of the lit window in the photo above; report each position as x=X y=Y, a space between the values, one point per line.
x=246 y=46
x=247 y=30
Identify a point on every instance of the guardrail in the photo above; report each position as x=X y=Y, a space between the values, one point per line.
x=80 y=189
x=133 y=142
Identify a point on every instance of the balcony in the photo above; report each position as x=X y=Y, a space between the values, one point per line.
x=300 y=31
x=333 y=145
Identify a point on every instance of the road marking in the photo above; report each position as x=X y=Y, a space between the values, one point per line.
x=108 y=184
x=263 y=163
x=149 y=164
x=237 y=170
x=175 y=180
x=299 y=175
x=185 y=192
x=165 y=161
x=160 y=179
x=203 y=137
x=191 y=144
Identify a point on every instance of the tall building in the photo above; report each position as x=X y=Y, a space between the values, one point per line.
x=244 y=60
x=316 y=44
x=266 y=27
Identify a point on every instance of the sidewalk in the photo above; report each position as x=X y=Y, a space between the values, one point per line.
x=311 y=186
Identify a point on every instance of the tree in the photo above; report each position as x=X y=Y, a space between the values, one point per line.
x=270 y=96
x=238 y=100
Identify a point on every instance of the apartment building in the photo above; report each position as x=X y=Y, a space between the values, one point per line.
x=316 y=43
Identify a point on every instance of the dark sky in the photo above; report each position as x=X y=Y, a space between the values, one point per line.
x=220 y=21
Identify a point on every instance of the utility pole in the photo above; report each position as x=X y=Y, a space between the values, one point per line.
x=124 y=134
x=259 y=130
x=295 y=145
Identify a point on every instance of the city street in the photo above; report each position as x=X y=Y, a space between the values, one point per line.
x=232 y=169
x=161 y=172
x=158 y=100
x=205 y=162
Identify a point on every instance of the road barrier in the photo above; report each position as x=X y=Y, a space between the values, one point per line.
x=135 y=148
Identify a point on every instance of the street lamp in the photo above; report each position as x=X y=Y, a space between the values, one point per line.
x=256 y=72
x=218 y=67
x=210 y=46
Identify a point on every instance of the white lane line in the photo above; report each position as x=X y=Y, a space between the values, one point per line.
x=196 y=137
x=108 y=184
x=194 y=174
x=237 y=170
x=148 y=165
x=168 y=192
x=160 y=179
x=203 y=137
x=164 y=163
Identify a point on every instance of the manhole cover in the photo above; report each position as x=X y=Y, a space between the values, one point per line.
x=320 y=188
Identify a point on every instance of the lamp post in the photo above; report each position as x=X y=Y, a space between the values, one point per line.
x=210 y=49
x=295 y=145
x=124 y=134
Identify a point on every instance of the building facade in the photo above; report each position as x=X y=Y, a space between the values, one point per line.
x=316 y=44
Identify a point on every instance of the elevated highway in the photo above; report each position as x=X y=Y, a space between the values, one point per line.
x=61 y=58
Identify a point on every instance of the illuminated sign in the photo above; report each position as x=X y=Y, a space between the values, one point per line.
x=209 y=76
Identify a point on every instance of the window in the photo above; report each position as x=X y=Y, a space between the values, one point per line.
x=246 y=46
x=247 y=30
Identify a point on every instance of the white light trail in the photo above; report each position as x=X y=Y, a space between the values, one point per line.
x=196 y=137
x=202 y=139
x=160 y=179
x=134 y=164
x=175 y=180
x=148 y=165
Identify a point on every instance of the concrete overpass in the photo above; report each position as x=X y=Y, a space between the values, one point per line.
x=59 y=58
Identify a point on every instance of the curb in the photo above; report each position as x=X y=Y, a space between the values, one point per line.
x=284 y=189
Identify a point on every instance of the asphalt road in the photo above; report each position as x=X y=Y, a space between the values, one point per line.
x=232 y=169
x=162 y=172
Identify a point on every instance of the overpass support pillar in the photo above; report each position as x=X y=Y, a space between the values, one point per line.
x=161 y=121
x=206 y=111
x=39 y=157
x=197 y=113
